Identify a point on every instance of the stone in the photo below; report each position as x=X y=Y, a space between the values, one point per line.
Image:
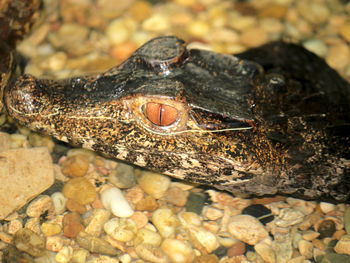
x=29 y=242
x=327 y=207
x=265 y=251
x=206 y=259
x=24 y=173
x=41 y=205
x=5 y=142
x=50 y=229
x=74 y=206
x=343 y=245
x=195 y=202
x=96 y=221
x=212 y=213
x=273 y=10
x=314 y=12
x=326 y=228
x=64 y=255
x=121 y=229
x=151 y=253
x=253 y=37
x=316 y=46
x=260 y=212
x=338 y=56
x=165 y=221
x=236 y=249
x=80 y=190
x=344 y=31
x=289 y=217
x=59 y=202
x=178 y=251
x=75 y=166
x=156 y=23
x=123 y=176
x=140 y=10
x=202 y=238
x=54 y=243
x=147 y=204
x=198 y=28
x=154 y=184
x=176 y=196
x=72 y=224
x=305 y=248
x=95 y=244
x=347 y=220
x=114 y=201
x=247 y=229
x=333 y=258
x=147 y=236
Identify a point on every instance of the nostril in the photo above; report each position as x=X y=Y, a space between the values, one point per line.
x=22 y=97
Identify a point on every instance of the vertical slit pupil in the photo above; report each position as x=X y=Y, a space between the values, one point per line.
x=160 y=114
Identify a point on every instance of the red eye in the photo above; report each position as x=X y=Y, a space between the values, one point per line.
x=160 y=114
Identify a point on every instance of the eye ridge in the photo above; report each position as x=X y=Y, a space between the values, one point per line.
x=160 y=114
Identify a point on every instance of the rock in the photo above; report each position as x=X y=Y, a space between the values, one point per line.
x=198 y=28
x=202 y=238
x=189 y=218
x=344 y=31
x=289 y=217
x=273 y=10
x=236 y=249
x=123 y=176
x=24 y=173
x=343 y=245
x=96 y=221
x=59 y=202
x=195 y=202
x=80 y=190
x=140 y=219
x=147 y=204
x=156 y=23
x=206 y=259
x=212 y=213
x=74 y=206
x=347 y=220
x=326 y=228
x=154 y=184
x=305 y=248
x=151 y=253
x=50 y=229
x=333 y=258
x=120 y=30
x=314 y=12
x=178 y=251
x=5 y=142
x=29 y=242
x=253 y=37
x=177 y=196
x=114 y=200
x=79 y=255
x=260 y=212
x=338 y=56
x=54 y=243
x=310 y=235
x=147 y=236
x=316 y=46
x=75 y=166
x=95 y=244
x=265 y=251
x=165 y=221
x=247 y=229
x=140 y=10
x=121 y=229
x=64 y=255
x=42 y=205
x=72 y=224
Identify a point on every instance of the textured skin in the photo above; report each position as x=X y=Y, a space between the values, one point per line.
x=277 y=125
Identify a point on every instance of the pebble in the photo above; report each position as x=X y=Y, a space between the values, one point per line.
x=151 y=253
x=195 y=202
x=54 y=243
x=64 y=255
x=338 y=56
x=326 y=228
x=41 y=205
x=202 y=238
x=305 y=248
x=347 y=220
x=178 y=251
x=123 y=176
x=165 y=221
x=79 y=255
x=314 y=12
x=147 y=236
x=121 y=229
x=344 y=31
x=237 y=249
x=114 y=201
x=4 y=140
x=140 y=10
x=253 y=37
x=265 y=251
x=176 y=196
x=198 y=28
x=72 y=224
x=147 y=204
x=49 y=229
x=154 y=184
x=212 y=213
x=29 y=242
x=156 y=23
x=59 y=202
x=316 y=46
x=120 y=30
x=95 y=244
x=189 y=218
x=247 y=229
x=75 y=166
x=289 y=217
x=206 y=259
x=31 y=174
x=80 y=190
x=96 y=221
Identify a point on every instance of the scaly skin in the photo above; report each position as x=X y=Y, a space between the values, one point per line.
x=277 y=125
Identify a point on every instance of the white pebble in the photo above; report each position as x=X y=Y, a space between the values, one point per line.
x=119 y=30
x=207 y=239
x=121 y=229
x=59 y=202
x=316 y=46
x=156 y=23
x=114 y=200
x=327 y=207
x=147 y=236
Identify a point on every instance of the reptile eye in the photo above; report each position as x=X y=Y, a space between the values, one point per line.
x=160 y=114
